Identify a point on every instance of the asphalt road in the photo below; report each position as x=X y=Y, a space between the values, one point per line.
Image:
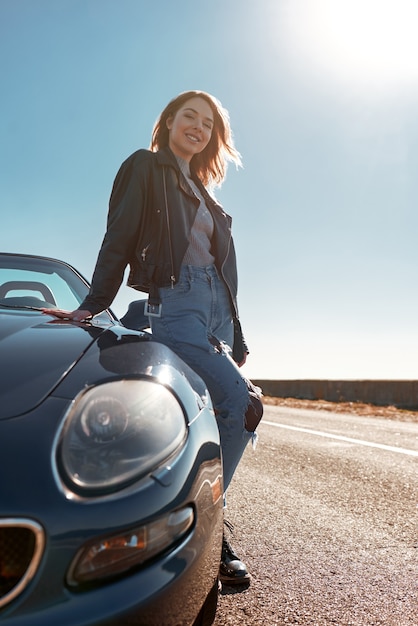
x=326 y=524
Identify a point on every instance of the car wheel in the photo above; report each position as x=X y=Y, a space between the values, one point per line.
x=207 y=612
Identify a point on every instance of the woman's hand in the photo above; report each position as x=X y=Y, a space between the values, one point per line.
x=76 y=316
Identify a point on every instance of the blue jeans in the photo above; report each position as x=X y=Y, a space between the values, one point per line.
x=195 y=311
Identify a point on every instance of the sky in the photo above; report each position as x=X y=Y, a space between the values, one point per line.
x=322 y=96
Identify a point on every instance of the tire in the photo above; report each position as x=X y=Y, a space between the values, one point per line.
x=208 y=611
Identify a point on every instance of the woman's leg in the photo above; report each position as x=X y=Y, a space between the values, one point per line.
x=194 y=313
x=196 y=323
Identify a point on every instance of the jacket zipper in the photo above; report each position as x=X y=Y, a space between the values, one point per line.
x=170 y=245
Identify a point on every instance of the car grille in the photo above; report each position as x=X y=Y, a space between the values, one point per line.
x=21 y=545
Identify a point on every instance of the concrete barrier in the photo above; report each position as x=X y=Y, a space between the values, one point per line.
x=400 y=393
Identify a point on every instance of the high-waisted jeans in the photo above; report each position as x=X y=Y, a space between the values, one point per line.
x=194 y=312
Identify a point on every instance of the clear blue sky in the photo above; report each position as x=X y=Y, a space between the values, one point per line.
x=322 y=96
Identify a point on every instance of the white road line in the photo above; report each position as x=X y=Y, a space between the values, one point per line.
x=361 y=442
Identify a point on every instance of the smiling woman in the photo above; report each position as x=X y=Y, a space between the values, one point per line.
x=365 y=43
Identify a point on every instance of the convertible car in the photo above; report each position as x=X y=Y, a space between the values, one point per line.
x=111 y=507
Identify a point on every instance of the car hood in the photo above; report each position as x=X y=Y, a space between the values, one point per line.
x=35 y=354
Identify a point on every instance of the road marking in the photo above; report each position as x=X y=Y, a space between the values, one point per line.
x=361 y=442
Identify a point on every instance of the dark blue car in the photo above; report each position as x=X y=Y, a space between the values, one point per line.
x=111 y=506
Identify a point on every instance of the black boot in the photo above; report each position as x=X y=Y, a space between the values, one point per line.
x=232 y=570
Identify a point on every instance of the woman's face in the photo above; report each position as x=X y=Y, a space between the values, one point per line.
x=190 y=128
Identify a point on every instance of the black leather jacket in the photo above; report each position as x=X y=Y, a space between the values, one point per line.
x=151 y=212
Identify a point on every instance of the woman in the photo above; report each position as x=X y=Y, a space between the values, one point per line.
x=177 y=241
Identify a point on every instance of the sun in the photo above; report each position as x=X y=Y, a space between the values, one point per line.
x=356 y=42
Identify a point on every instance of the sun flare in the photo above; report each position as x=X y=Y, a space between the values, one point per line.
x=364 y=42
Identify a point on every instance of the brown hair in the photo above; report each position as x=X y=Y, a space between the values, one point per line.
x=210 y=165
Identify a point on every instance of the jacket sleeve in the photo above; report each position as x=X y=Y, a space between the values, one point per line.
x=126 y=207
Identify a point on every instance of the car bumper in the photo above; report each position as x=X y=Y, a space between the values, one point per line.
x=169 y=592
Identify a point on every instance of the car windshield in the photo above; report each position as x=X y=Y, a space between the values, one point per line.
x=36 y=282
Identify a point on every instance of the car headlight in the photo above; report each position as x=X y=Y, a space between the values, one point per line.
x=117 y=432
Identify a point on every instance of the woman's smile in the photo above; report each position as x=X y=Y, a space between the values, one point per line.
x=193 y=138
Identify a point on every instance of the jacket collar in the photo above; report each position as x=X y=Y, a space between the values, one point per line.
x=166 y=157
